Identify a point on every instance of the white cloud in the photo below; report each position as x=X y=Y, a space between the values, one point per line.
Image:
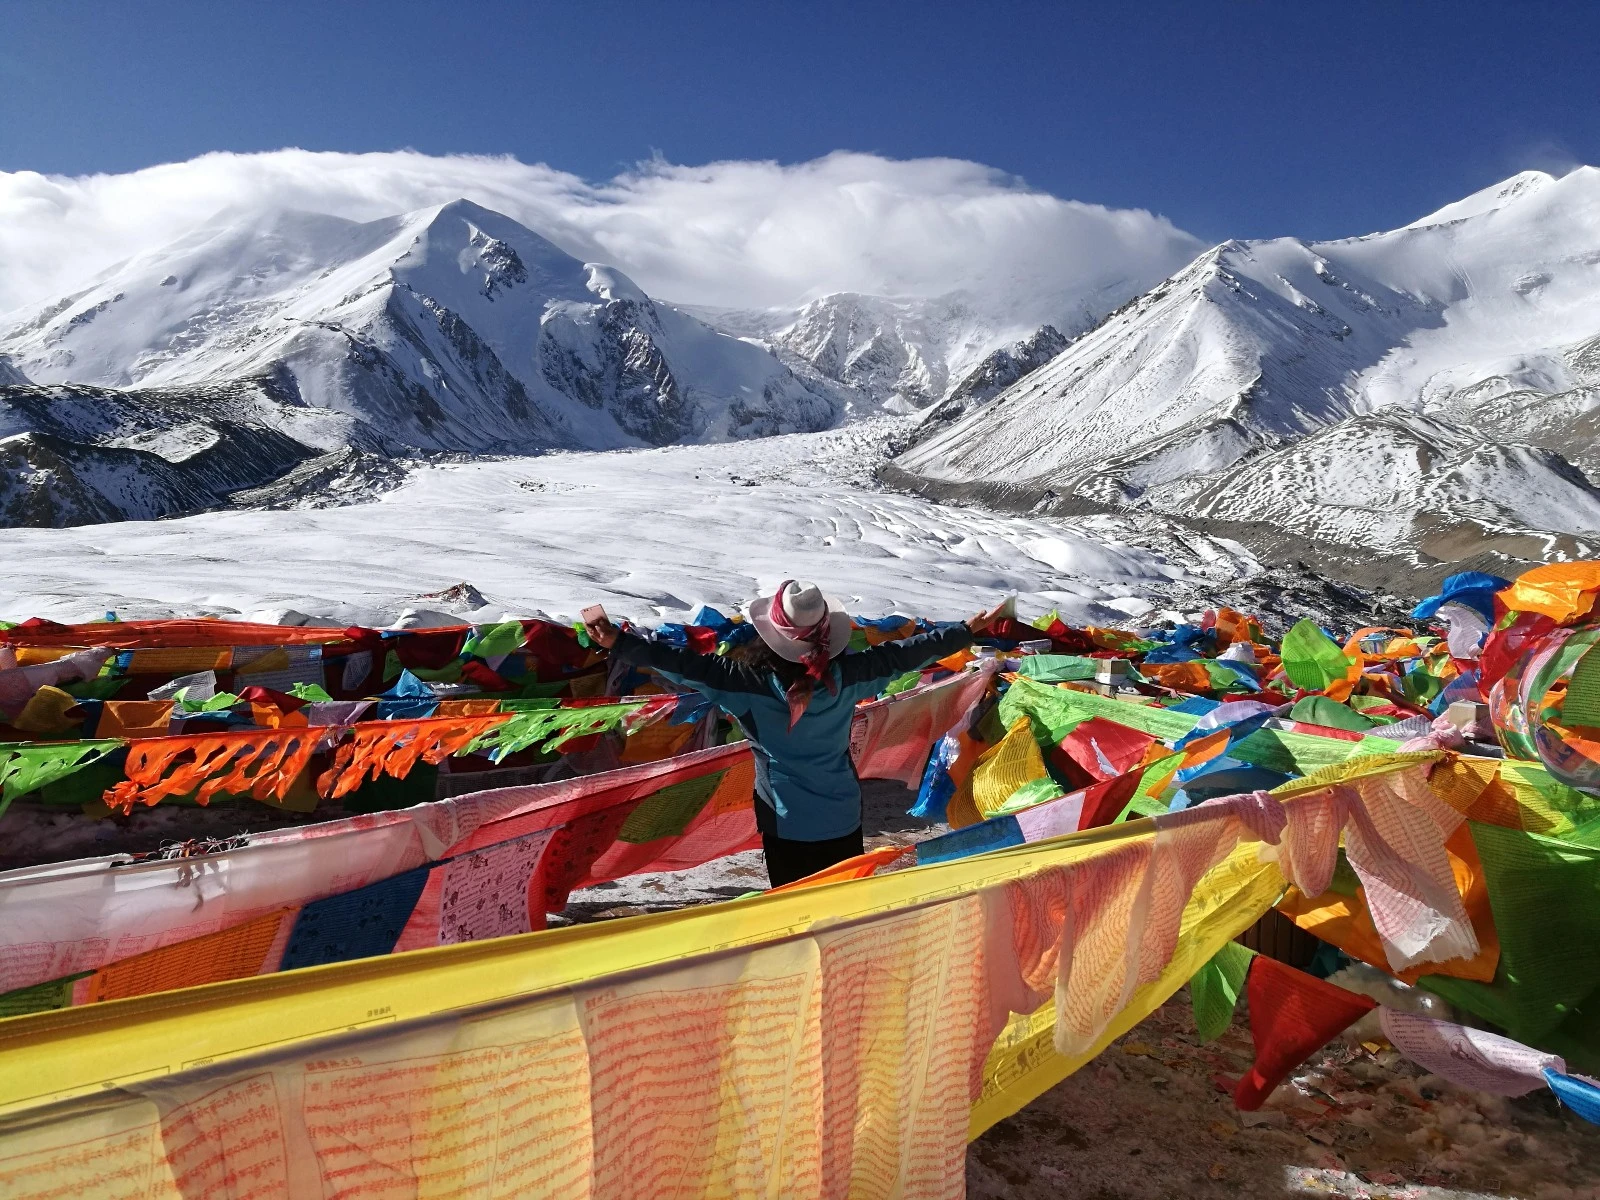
x=749 y=234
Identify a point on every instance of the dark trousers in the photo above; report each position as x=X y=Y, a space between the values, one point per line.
x=788 y=860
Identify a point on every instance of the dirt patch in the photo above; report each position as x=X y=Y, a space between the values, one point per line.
x=1149 y=1120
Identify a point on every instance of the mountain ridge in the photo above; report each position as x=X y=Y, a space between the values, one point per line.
x=1481 y=321
x=451 y=329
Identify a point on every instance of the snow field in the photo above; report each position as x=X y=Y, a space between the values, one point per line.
x=649 y=534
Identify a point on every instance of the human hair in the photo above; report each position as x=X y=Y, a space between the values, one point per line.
x=759 y=656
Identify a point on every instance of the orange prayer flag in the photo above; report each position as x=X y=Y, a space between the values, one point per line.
x=392 y=748
x=259 y=762
x=134 y=718
x=1561 y=591
x=227 y=954
x=859 y=867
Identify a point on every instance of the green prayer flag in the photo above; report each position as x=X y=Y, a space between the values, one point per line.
x=553 y=727
x=1582 y=706
x=1311 y=658
x=1035 y=791
x=493 y=641
x=1545 y=897
x=101 y=687
x=903 y=684
x=1060 y=711
x=214 y=703
x=1420 y=687
x=1056 y=668
x=1216 y=987
x=1319 y=710
x=26 y=767
x=41 y=997
x=312 y=692
x=667 y=813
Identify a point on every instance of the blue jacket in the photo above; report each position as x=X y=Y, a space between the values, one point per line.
x=804 y=773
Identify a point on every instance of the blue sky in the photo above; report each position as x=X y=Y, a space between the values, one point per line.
x=1232 y=119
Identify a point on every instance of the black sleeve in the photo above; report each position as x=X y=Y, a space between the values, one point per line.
x=709 y=670
x=893 y=659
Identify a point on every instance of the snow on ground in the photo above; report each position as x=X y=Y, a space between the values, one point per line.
x=649 y=533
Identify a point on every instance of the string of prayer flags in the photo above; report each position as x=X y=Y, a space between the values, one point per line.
x=393 y=747
x=262 y=764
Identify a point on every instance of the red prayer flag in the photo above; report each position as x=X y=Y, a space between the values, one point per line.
x=1105 y=749
x=1104 y=802
x=1292 y=1015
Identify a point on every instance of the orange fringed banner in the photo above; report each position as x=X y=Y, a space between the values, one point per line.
x=185 y=633
x=262 y=763
x=394 y=747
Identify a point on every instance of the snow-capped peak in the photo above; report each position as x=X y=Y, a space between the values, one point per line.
x=451 y=327
x=1485 y=316
x=1488 y=199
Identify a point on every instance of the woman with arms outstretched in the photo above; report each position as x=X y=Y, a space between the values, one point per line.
x=795 y=704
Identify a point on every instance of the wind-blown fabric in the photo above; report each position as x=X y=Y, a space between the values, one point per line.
x=891 y=738
x=75 y=917
x=819 y=1039
x=1473 y=1058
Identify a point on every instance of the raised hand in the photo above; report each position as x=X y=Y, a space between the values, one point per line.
x=982 y=621
x=602 y=632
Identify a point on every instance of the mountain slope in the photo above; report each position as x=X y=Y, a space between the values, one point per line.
x=999 y=370
x=452 y=328
x=1482 y=322
x=905 y=353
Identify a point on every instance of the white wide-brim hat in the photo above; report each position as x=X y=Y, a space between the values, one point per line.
x=804 y=604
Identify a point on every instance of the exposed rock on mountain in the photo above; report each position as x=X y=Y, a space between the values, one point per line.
x=903 y=354
x=452 y=328
x=998 y=371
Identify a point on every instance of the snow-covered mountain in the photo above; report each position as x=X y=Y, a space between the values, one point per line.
x=1393 y=389
x=448 y=329
x=899 y=354
x=999 y=370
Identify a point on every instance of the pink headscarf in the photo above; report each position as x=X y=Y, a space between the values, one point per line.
x=815 y=660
